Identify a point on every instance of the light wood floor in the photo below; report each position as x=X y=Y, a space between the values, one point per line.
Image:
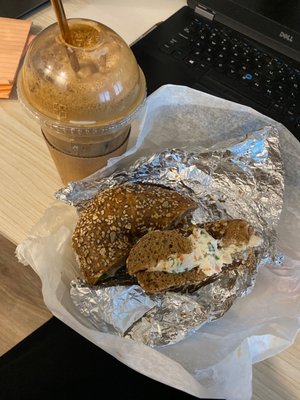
x=22 y=311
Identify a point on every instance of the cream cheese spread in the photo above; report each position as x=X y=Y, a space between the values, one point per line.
x=206 y=255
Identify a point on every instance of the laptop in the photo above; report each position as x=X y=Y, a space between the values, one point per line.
x=18 y=8
x=246 y=51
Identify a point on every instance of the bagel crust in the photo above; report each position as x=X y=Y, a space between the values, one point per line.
x=117 y=217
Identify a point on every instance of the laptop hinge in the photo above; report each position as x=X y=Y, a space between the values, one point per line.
x=205 y=12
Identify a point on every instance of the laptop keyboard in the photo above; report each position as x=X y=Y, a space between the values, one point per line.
x=232 y=67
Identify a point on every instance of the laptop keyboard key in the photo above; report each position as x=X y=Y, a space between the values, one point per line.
x=203 y=66
x=232 y=72
x=167 y=48
x=290 y=119
x=180 y=54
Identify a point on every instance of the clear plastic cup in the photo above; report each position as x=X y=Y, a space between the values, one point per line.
x=85 y=94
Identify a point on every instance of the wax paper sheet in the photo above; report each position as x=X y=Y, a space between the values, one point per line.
x=216 y=360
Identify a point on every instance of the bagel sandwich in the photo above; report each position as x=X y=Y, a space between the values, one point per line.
x=179 y=259
x=116 y=218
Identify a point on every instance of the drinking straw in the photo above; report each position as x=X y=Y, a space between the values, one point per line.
x=65 y=32
x=62 y=20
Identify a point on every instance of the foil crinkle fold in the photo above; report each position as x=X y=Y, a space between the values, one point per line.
x=240 y=178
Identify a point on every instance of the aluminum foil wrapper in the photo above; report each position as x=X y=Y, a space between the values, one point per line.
x=240 y=178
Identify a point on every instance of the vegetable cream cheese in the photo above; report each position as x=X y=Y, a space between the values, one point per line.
x=205 y=255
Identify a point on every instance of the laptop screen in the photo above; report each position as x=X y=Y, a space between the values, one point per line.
x=285 y=12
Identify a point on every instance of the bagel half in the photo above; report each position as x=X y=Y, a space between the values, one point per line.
x=116 y=218
x=173 y=260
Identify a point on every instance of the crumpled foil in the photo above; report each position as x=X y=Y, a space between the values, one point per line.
x=240 y=178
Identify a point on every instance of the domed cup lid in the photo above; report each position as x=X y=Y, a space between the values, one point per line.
x=94 y=82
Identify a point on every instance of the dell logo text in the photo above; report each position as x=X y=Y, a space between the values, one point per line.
x=286 y=36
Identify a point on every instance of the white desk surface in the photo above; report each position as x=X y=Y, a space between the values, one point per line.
x=28 y=177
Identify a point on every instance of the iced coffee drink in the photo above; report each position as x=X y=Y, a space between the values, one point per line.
x=85 y=94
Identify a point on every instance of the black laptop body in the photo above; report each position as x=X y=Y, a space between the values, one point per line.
x=247 y=51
